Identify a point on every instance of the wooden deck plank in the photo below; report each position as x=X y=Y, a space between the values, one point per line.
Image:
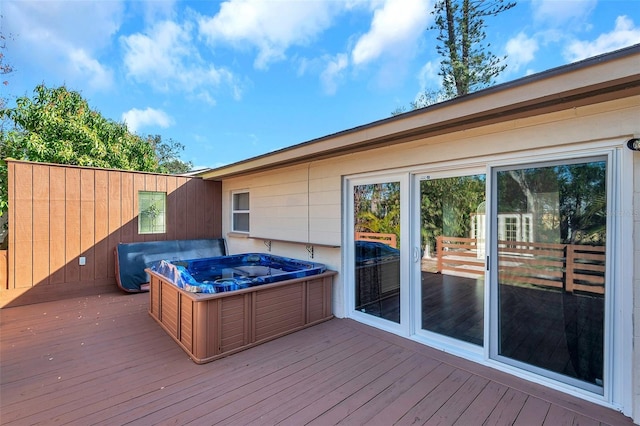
x=279 y=406
x=482 y=406
x=190 y=391
x=376 y=354
x=534 y=412
x=508 y=408
x=206 y=406
x=399 y=406
x=459 y=402
x=419 y=367
x=349 y=396
x=103 y=360
x=559 y=417
x=434 y=400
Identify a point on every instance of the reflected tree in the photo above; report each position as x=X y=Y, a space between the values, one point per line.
x=377 y=208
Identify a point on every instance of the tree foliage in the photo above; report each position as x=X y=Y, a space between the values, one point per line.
x=467 y=64
x=58 y=126
x=448 y=206
x=5 y=67
x=167 y=155
x=426 y=98
x=377 y=208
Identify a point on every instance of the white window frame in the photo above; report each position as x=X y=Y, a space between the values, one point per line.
x=159 y=213
x=237 y=211
x=618 y=392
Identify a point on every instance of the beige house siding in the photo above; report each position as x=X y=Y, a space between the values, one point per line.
x=302 y=205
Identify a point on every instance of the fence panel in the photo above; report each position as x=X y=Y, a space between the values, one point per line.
x=565 y=266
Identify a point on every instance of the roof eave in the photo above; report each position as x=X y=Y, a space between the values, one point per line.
x=606 y=77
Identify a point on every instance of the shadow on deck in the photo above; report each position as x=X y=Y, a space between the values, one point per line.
x=103 y=360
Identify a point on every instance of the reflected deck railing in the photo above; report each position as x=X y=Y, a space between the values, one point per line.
x=388 y=239
x=570 y=267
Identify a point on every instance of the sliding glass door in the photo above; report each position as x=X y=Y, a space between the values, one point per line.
x=549 y=243
x=452 y=266
x=376 y=249
x=418 y=249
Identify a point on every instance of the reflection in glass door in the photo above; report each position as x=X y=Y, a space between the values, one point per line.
x=551 y=243
x=452 y=224
x=376 y=209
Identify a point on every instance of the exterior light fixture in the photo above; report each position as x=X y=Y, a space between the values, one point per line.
x=634 y=144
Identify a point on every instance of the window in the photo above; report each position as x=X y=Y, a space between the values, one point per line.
x=549 y=289
x=450 y=283
x=240 y=212
x=151 y=212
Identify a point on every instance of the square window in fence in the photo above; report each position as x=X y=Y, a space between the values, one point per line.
x=152 y=207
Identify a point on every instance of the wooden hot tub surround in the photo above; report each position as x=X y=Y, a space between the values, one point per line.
x=211 y=326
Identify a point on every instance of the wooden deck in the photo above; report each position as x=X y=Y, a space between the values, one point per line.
x=103 y=360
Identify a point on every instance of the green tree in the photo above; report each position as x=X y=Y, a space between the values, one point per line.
x=5 y=67
x=377 y=208
x=466 y=63
x=58 y=126
x=448 y=205
x=167 y=155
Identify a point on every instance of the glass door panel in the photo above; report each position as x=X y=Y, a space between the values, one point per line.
x=452 y=229
x=550 y=245
x=377 y=249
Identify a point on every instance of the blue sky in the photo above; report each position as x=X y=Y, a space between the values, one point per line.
x=239 y=78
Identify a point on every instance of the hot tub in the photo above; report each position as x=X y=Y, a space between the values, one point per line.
x=235 y=272
x=218 y=306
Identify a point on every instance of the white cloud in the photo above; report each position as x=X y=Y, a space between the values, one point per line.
x=166 y=58
x=624 y=34
x=98 y=76
x=520 y=50
x=64 y=38
x=396 y=27
x=137 y=118
x=271 y=27
x=430 y=85
x=333 y=73
x=81 y=24
x=428 y=77
x=554 y=13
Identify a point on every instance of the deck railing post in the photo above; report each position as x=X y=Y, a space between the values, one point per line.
x=569 y=256
x=439 y=253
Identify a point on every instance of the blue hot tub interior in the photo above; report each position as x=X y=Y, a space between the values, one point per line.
x=228 y=273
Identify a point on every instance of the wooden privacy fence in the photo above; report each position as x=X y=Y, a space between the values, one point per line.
x=569 y=267
x=66 y=220
x=4 y=281
x=388 y=239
